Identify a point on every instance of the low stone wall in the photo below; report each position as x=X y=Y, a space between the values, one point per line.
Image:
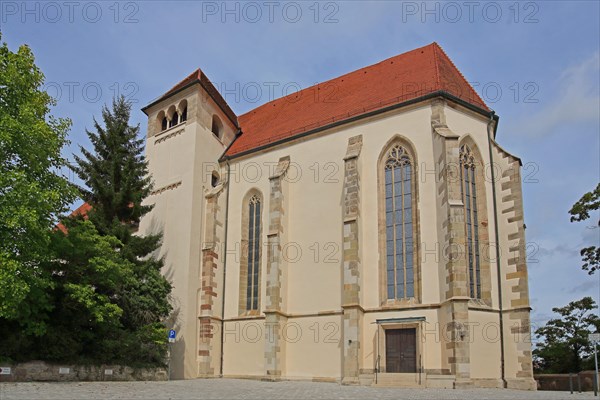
x=40 y=371
x=583 y=381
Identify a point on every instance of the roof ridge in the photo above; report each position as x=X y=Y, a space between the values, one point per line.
x=193 y=77
x=197 y=74
x=435 y=61
x=459 y=73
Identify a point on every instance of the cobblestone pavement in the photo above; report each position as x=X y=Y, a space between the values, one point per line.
x=249 y=389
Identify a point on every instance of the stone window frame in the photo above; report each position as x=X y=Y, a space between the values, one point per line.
x=165 y=117
x=410 y=148
x=484 y=297
x=244 y=246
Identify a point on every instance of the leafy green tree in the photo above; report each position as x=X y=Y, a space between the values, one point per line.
x=564 y=345
x=92 y=277
x=90 y=291
x=86 y=273
x=116 y=176
x=32 y=191
x=84 y=323
x=580 y=212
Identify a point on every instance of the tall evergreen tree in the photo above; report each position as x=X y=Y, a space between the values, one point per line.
x=115 y=172
x=116 y=176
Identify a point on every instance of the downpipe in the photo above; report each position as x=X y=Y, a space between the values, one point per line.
x=497 y=235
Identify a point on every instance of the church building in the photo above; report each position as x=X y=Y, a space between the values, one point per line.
x=367 y=230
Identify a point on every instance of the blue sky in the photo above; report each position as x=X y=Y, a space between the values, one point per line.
x=536 y=63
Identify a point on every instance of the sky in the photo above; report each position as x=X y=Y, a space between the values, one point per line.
x=536 y=63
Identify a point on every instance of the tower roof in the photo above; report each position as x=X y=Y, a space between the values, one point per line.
x=198 y=77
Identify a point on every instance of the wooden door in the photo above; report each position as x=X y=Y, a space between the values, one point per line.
x=401 y=350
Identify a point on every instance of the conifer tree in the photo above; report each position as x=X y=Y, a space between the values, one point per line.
x=115 y=172
x=116 y=176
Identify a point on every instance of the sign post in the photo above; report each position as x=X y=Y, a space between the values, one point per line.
x=172 y=336
x=595 y=338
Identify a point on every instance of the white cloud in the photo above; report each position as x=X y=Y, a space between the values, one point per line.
x=577 y=99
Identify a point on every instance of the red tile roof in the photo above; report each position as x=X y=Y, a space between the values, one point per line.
x=82 y=210
x=393 y=81
x=405 y=77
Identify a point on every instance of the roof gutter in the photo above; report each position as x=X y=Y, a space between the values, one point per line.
x=440 y=93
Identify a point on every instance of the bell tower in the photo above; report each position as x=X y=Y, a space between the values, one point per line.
x=189 y=128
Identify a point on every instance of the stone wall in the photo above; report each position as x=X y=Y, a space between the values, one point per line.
x=40 y=371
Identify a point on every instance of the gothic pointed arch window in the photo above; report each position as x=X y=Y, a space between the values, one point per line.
x=251 y=254
x=400 y=269
x=469 y=191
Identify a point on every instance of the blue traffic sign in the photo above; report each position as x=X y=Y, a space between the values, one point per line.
x=172 y=334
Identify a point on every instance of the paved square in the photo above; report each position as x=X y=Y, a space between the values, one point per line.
x=249 y=389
